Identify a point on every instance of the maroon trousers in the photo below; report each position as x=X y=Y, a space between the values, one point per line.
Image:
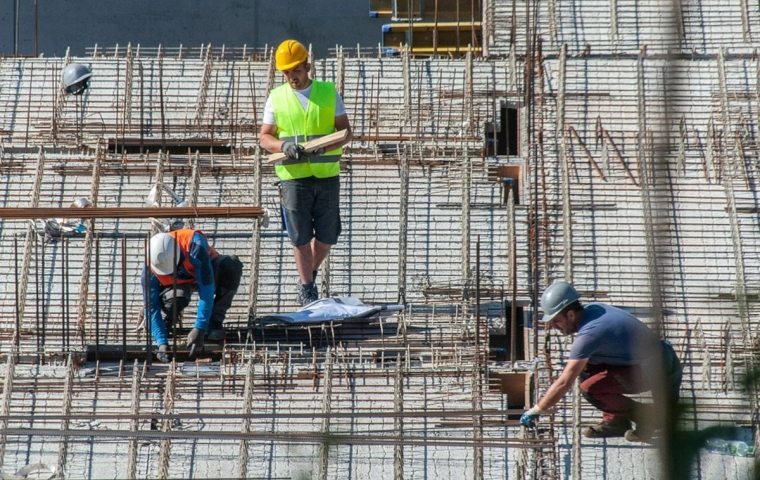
x=605 y=386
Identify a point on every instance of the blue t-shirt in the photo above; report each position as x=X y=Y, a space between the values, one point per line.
x=609 y=335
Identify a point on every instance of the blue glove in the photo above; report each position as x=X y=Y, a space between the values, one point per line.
x=528 y=420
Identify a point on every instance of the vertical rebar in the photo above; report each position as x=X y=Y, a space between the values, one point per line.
x=142 y=106
x=575 y=457
x=477 y=385
x=466 y=164
x=614 y=21
x=161 y=98
x=68 y=296
x=398 y=420
x=63 y=443
x=195 y=181
x=148 y=307
x=23 y=277
x=5 y=405
x=253 y=280
x=512 y=238
x=38 y=311
x=44 y=297
x=477 y=421
x=134 y=423
x=17 y=328
x=174 y=300
x=477 y=300
x=564 y=161
x=165 y=445
x=97 y=299
x=324 y=447
x=84 y=280
x=124 y=299
x=245 y=424
x=403 y=222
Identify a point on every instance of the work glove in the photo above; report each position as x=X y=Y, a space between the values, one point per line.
x=530 y=417
x=528 y=420
x=292 y=150
x=315 y=152
x=195 y=340
x=163 y=354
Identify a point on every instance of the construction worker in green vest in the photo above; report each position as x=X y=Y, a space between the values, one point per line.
x=300 y=110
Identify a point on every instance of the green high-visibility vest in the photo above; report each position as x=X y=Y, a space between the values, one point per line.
x=299 y=126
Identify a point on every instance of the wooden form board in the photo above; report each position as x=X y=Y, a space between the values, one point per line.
x=320 y=142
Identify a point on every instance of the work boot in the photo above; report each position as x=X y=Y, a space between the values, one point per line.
x=638 y=435
x=615 y=428
x=307 y=294
x=215 y=333
x=643 y=417
x=163 y=354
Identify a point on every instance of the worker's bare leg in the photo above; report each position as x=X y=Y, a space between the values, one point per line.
x=308 y=259
x=304 y=261
x=319 y=252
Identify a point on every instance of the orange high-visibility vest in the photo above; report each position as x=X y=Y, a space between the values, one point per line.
x=184 y=237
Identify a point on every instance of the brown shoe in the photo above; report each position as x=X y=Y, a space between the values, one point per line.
x=616 y=428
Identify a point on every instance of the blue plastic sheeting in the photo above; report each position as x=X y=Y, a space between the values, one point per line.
x=329 y=309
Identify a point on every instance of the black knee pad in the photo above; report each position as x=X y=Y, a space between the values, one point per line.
x=168 y=303
x=230 y=272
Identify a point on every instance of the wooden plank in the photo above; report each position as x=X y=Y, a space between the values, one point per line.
x=314 y=144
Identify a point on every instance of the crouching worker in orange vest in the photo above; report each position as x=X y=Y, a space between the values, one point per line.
x=186 y=255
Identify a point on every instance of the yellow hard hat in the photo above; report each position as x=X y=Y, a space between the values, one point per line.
x=290 y=54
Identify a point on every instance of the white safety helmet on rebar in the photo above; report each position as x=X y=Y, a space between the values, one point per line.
x=81 y=203
x=76 y=78
x=556 y=297
x=163 y=253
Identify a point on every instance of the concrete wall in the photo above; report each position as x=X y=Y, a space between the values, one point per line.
x=83 y=23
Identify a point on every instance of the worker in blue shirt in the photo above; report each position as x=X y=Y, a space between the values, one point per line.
x=182 y=262
x=615 y=355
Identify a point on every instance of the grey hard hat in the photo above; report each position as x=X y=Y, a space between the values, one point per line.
x=76 y=77
x=556 y=297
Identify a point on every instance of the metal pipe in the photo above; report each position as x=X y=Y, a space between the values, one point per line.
x=130 y=212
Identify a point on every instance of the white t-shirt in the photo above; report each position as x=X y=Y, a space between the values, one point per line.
x=303 y=97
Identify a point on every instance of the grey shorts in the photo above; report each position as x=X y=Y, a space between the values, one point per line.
x=311 y=209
